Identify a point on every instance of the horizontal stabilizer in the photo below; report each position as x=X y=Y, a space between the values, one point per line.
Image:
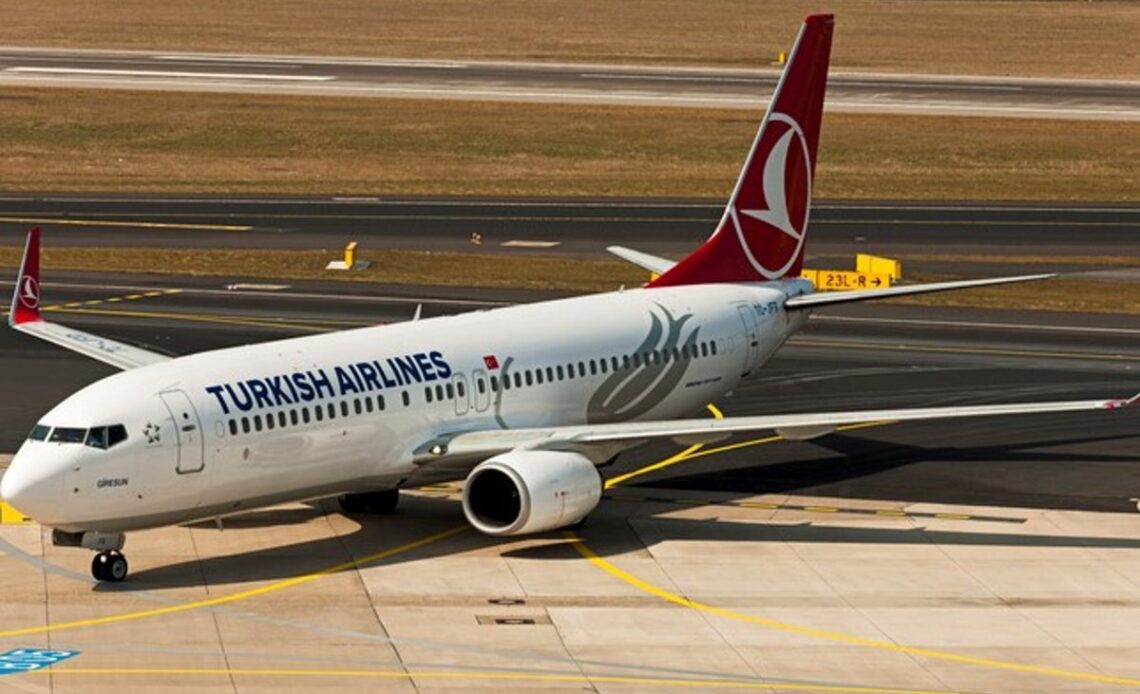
x=653 y=263
x=828 y=298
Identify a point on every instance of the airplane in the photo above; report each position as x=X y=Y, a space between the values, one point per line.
x=523 y=403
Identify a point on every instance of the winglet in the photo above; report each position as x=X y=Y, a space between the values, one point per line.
x=1118 y=404
x=26 y=296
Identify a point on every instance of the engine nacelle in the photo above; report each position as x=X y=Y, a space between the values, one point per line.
x=531 y=492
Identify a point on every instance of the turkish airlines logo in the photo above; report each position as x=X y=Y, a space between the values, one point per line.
x=30 y=293
x=772 y=238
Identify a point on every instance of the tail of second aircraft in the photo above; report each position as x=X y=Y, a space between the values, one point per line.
x=761 y=235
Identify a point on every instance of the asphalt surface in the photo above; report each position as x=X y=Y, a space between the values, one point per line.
x=857 y=357
x=671 y=228
x=571 y=83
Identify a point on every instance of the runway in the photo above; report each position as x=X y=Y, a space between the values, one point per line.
x=672 y=228
x=566 y=83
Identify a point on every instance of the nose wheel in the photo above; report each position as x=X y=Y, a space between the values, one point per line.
x=110 y=566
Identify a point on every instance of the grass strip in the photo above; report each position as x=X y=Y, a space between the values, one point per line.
x=529 y=272
x=132 y=142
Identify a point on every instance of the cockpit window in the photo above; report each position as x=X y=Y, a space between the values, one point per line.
x=67 y=435
x=39 y=432
x=105 y=437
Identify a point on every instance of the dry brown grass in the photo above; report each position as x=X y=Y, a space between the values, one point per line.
x=389 y=267
x=87 y=140
x=999 y=37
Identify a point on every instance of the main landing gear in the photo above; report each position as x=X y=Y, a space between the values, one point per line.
x=109 y=565
x=370 y=502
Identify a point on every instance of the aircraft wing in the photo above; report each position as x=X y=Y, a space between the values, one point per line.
x=25 y=317
x=601 y=441
x=827 y=298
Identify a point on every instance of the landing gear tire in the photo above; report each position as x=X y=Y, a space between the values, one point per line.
x=371 y=502
x=109 y=566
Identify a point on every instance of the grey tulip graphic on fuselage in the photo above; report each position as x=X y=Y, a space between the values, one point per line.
x=636 y=386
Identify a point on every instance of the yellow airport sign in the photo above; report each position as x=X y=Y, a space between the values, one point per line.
x=845 y=280
x=874 y=265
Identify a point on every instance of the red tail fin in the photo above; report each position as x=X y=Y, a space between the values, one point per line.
x=26 y=298
x=761 y=235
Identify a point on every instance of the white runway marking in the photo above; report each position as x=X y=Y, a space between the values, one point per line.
x=167 y=73
x=517 y=243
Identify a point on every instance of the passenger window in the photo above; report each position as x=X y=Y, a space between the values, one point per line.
x=305 y=415
x=68 y=435
x=233 y=427
x=704 y=349
x=582 y=369
x=712 y=347
x=529 y=380
x=39 y=432
x=344 y=408
x=538 y=376
x=269 y=421
x=368 y=404
x=245 y=425
x=593 y=368
x=450 y=391
x=549 y=375
x=427 y=394
x=459 y=389
x=332 y=410
x=559 y=372
x=380 y=402
x=357 y=407
x=293 y=417
x=319 y=413
x=506 y=381
x=404 y=396
x=257 y=422
x=281 y=421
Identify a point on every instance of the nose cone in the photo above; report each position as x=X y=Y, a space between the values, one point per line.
x=27 y=489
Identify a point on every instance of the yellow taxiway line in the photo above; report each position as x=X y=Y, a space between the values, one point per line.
x=242 y=595
x=835 y=636
x=69 y=221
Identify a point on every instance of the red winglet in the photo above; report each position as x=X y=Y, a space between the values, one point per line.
x=761 y=235
x=26 y=298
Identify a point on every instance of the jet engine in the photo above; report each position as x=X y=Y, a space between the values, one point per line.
x=530 y=492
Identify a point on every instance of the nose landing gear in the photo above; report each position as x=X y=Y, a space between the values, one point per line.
x=109 y=565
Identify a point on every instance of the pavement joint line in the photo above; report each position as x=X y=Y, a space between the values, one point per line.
x=811 y=508
x=836 y=637
x=139 y=225
x=240 y=595
x=499 y=676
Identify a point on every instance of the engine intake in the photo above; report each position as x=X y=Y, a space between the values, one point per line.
x=531 y=492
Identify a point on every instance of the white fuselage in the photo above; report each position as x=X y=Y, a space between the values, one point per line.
x=228 y=430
